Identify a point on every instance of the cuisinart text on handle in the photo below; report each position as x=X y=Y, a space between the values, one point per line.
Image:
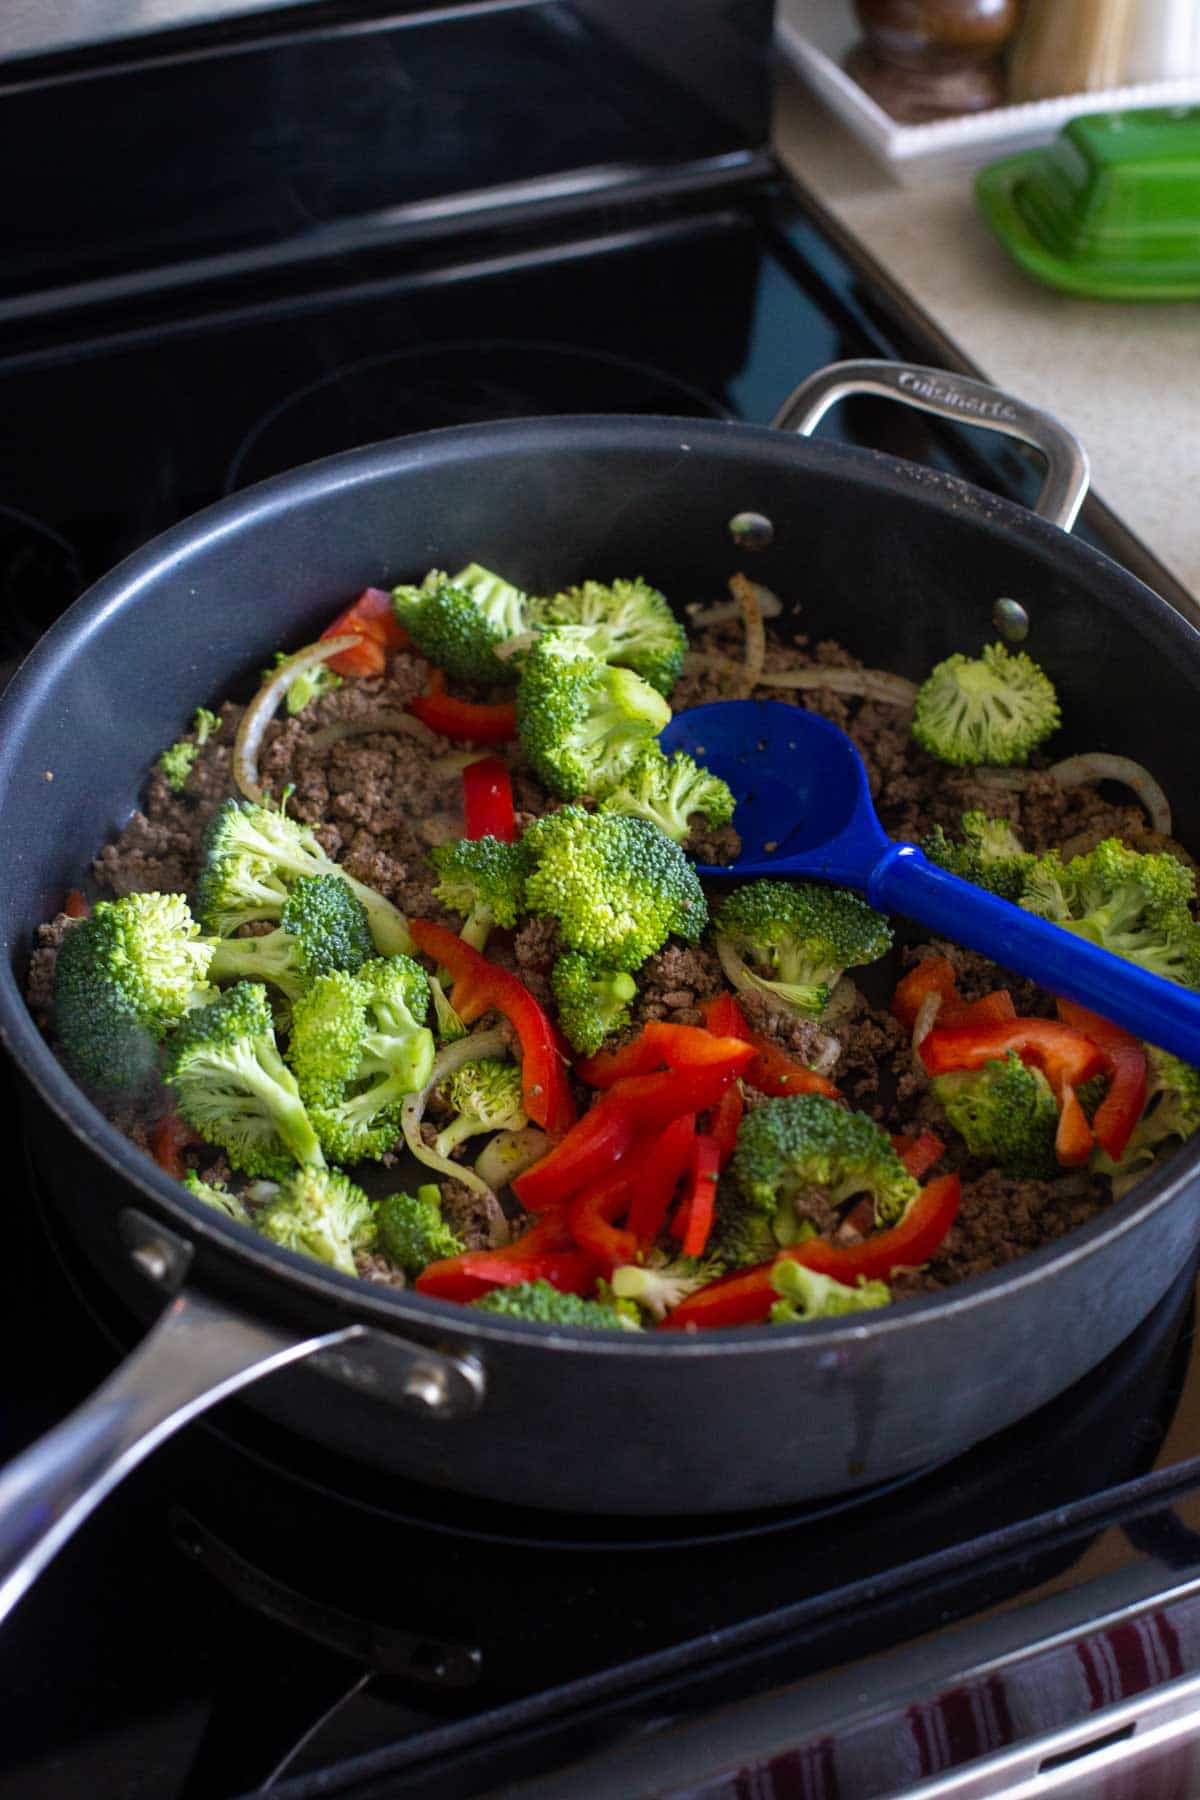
x=950 y=396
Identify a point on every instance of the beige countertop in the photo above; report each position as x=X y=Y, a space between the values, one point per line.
x=1124 y=377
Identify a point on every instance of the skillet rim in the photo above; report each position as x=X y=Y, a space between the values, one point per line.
x=399 y=1310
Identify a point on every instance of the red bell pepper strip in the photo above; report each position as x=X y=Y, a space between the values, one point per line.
x=593 y=1215
x=1066 y=1056
x=478 y=986
x=587 y=1152
x=936 y=976
x=551 y=1230
x=724 y=1122
x=701 y=1193
x=629 y=1108
x=771 y=1070
x=995 y=1008
x=1073 y=1141
x=1122 y=1105
x=374 y=622
x=746 y=1298
x=658 y=1045
x=476 y=1272
x=76 y=905
x=169 y=1138
x=480 y=724
x=488 y=800
x=918 y=1151
x=660 y=1162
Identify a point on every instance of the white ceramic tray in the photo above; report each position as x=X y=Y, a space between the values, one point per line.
x=816 y=34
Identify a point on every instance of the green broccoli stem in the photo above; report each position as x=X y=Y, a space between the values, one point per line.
x=268 y=1077
x=457 y=1132
x=476 y=928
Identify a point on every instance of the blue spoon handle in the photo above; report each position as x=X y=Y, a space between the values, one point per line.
x=1160 y=1011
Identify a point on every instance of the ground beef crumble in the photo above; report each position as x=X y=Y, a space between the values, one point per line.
x=379 y=799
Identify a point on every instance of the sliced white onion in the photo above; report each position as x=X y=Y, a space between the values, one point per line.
x=441 y=827
x=261 y=710
x=509 y=1154
x=448 y=1058
x=926 y=1018
x=445 y=768
x=769 y=605
x=388 y=718
x=871 y=684
x=695 y=660
x=755 y=649
x=1099 y=765
x=1007 y=781
x=824 y=1060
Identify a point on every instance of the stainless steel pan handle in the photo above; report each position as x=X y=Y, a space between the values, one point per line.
x=961 y=399
x=196 y=1354
x=199 y=1352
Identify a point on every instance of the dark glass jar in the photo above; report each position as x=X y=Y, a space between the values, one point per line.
x=931 y=59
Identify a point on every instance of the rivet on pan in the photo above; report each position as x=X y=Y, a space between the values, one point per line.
x=751 y=531
x=1011 y=620
x=153 y=1259
x=425 y=1388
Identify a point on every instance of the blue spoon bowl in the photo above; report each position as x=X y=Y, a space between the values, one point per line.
x=804 y=811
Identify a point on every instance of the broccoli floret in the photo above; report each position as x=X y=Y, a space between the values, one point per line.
x=483 y=878
x=458 y=620
x=308 y=685
x=358 y=1046
x=321 y=1213
x=803 y=1294
x=580 y=722
x=743 y=1236
x=486 y=1096
x=176 y=761
x=548 y=1305
x=629 y=623
x=805 y=1144
x=990 y=855
x=1170 y=1115
x=251 y=859
x=216 y=1195
x=122 y=979
x=1133 y=903
x=670 y=791
x=449 y=1026
x=323 y=927
x=1005 y=1112
x=993 y=708
x=234 y=1088
x=617 y=886
x=659 y=1285
x=792 y=941
x=592 y=1001
x=413 y=1232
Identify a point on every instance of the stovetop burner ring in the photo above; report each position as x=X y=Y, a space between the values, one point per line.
x=468 y=381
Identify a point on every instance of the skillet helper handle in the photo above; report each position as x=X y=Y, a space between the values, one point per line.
x=196 y=1354
x=1161 y=1011
x=966 y=402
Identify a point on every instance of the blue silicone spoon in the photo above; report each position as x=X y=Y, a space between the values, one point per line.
x=804 y=810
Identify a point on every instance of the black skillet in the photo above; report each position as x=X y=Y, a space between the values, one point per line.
x=902 y=565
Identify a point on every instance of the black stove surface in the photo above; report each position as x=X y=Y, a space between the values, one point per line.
x=243 y=1616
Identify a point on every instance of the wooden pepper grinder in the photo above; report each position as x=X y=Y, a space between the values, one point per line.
x=932 y=59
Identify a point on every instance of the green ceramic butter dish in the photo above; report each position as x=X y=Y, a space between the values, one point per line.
x=1110 y=209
